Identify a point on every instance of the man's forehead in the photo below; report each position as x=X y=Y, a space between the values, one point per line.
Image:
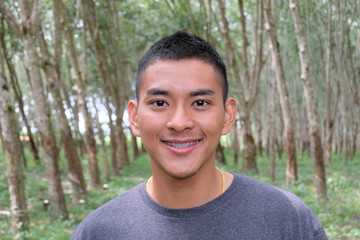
x=164 y=75
x=191 y=93
x=170 y=64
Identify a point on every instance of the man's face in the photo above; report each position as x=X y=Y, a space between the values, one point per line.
x=180 y=116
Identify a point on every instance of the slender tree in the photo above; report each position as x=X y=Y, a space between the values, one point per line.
x=331 y=106
x=271 y=131
x=248 y=84
x=80 y=88
x=13 y=154
x=51 y=66
x=136 y=152
x=113 y=142
x=27 y=30
x=102 y=141
x=314 y=131
x=18 y=95
x=110 y=82
x=119 y=82
x=289 y=139
x=235 y=145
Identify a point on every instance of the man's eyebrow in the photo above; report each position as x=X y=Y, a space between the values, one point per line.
x=201 y=92
x=157 y=91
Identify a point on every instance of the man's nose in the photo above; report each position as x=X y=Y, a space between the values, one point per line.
x=181 y=119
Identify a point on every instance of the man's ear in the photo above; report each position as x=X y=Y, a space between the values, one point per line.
x=230 y=115
x=132 y=111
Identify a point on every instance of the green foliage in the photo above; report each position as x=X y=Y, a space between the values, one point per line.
x=41 y=227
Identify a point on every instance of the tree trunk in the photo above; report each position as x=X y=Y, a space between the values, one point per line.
x=52 y=72
x=105 y=159
x=304 y=135
x=258 y=126
x=12 y=150
x=220 y=156
x=353 y=73
x=314 y=132
x=76 y=176
x=272 y=132
x=248 y=86
x=30 y=13
x=109 y=81
x=136 y=152
x=51 y=152
x=80 y=89
x=289 y=139
x=113 y=141
x=251 y=81
x=18 y=94
x=331 y=107
x=235 y=145
x=119 y=84
x=249 y=152
x=279 y=145
x=78 y=137
x=1 y=139
x=124 y=157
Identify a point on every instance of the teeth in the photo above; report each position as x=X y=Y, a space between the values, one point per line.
x=182 y=145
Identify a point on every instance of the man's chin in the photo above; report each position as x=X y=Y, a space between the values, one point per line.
x=181 y=175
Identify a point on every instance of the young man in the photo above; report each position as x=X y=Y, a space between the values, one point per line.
x=181 y=111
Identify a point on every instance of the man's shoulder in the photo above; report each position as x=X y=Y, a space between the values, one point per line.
x=118 y=210
x=278 y=207
x=264 y=195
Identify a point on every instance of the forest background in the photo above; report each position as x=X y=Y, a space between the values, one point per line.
x=67 y=70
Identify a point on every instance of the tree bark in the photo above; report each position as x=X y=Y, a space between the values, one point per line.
x=249 y=152
x=113 y=140
x=109 y=81
x=235 y=145
x=18 y=94
x=220 y=156
x=289 y=139
x=248 y=85
x=272 y=132
x=78 y=137
x=331 y=107
x=353 y=72
x=48 y=142
x=13 y=151
x=314 y=132
x=259 y=129
x=30 y=13
x=105 y=159
x=52 y=72
x=136 y=152
x=1 y=139
x=80 y=89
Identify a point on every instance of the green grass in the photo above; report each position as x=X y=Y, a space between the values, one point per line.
x=339 y=214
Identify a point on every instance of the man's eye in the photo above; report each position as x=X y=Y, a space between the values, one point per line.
x=200 y=103
x=159 y=103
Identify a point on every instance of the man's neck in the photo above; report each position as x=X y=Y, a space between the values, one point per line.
x=191 y=192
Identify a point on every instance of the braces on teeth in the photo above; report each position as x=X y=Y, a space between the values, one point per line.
x=182 y=145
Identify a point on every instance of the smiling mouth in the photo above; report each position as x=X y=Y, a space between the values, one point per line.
x=181 y=145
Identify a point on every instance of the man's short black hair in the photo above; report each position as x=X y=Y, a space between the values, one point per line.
x=182 y=45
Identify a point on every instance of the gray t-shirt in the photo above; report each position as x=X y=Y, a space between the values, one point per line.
x=248 y=209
